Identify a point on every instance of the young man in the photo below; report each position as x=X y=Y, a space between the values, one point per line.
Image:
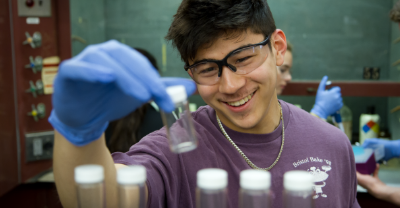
x=231 y=50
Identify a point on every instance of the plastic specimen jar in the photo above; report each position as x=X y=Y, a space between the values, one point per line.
x=298 y=189
x=255 y=189
x=211 y=188
x=179 y=123
x=90 y=186
x=131 y=187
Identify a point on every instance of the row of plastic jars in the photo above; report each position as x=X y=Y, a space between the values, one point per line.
x=254 y=189
x=211 y=188
x=90 y=186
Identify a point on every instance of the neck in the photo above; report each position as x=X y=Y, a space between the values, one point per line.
x=267 y=124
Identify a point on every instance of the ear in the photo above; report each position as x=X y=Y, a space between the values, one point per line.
x=278 y=41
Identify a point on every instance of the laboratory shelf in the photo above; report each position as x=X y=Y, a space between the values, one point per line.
x=348 y=88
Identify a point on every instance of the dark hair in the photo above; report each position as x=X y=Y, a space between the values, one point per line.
x=148 y=55
x=124 y=131
x=198 y=23
x=395 y=12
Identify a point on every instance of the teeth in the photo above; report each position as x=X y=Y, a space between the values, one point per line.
x=242 y=101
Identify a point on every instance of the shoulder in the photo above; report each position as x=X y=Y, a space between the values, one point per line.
x=203 y=113
x=299 y=115
x=315 y=129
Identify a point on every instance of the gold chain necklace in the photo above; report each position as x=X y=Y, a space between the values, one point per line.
x=244 y=156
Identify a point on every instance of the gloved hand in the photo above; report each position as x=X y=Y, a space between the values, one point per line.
x=105 y=82
x=327 y=102
x=392 y=148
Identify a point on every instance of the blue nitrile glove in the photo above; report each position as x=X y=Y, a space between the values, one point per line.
x=392 y=148
x=327 y=102
x=105 y=82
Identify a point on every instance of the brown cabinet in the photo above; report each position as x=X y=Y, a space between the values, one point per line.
x=348 y=88
x=15 y=102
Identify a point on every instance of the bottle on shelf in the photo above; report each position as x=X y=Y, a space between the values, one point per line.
x=211 y=188
x=255 y=189
x=89 y=181
x=298 y=189
x=369 y=125
x=131 y=187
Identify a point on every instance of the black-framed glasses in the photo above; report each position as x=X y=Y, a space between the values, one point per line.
x=241 y=61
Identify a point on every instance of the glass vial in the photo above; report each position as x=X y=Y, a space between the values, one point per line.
x=255 y=189
x=179 y=123
x=298 y=189
x=90 y=186
x=131 y=187
x=211 y=188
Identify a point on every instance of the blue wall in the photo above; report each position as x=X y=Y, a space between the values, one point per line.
x=87 y=23
x=336 y=38
x=394 y=118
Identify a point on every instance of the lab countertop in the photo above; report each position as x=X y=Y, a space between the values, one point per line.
x=390 y=177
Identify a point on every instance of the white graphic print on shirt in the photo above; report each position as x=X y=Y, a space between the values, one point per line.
x=319 y=175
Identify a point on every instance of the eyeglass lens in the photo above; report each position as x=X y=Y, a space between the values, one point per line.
x=244 y=60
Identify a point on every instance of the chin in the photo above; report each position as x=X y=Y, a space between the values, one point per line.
x=245 y=124
x=246 y=121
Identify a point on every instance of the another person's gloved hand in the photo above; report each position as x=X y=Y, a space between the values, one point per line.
x=392 y=148
x=327 y=102
x=105 y=82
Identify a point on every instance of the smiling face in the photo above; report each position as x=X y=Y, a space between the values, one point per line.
x=284 y=73
x=245 y=103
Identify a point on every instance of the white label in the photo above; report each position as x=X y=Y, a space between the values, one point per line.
x=37 y=147
x=32 y=20
x=49 y=72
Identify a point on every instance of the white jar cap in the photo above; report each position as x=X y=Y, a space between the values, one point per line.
x=89 y=174
x=212 y=178
x=177 y=93
x=255 y=179
x=135 y=174
x=298 y=180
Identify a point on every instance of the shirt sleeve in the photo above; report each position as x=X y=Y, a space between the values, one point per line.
x=354 y=177
x=161 y=165
x=355 y=205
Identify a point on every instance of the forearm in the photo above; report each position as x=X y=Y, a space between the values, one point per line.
x=392 y=195
x=67 y=156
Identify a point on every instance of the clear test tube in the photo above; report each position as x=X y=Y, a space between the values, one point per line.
x=90 y=186
x=255 y=189
x=298 y=189
x=131 y=187
x=179 y=123
x=211 y=188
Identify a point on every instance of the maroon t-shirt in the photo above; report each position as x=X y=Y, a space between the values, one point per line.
x=310 y=144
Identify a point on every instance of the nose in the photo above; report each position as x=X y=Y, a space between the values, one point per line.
x=230 y=82
x=288 y=77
